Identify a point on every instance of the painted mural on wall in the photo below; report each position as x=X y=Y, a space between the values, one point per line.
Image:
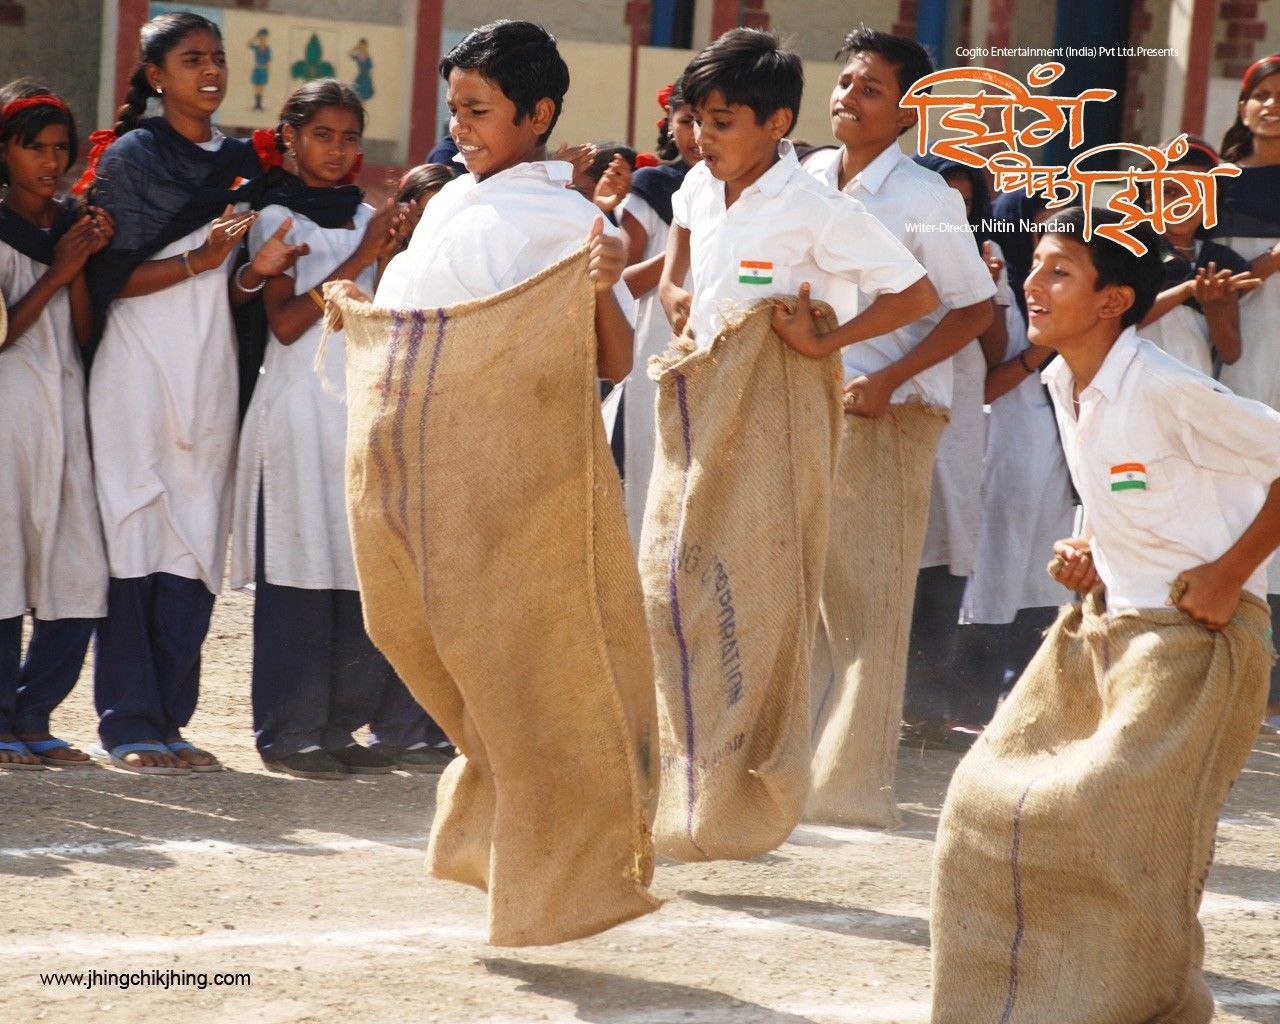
x=269 y=55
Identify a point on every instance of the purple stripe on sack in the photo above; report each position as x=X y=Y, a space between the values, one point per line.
x=376 y=443
x=442 y=318
x=397 y=430
x=673 y=583
x=1018 y=910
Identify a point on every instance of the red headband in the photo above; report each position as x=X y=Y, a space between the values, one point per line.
x=43 y=99
x=1244 y=81
x=1203 y=149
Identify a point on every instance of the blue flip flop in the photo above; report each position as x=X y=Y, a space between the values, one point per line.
x=177 y=745
x=17 y=747
x=115 y=758
x=42 y=747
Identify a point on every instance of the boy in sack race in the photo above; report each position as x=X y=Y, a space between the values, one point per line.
x=1077 y=834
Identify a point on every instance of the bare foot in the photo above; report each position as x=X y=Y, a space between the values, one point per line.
x=194 y=757
x=12 y=756
x=72 y=755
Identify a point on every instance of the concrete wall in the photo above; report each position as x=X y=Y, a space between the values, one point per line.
x=62 y=52
x=598 y=21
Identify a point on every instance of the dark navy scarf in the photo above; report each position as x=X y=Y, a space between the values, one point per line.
x=33 y=242
x=327 y=207
x=160 y=186
x=656 y=186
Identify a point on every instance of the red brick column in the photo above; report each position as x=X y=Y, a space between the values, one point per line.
x=724 y=16
x=132 y=16
x=423 y=100
x=1135 y=100
x=1242 y=26
x=908 y=15
x=1195 y=96
x=999 y=32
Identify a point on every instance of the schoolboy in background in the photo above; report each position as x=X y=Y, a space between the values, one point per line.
x=899 y=388
x=748 y=222
x=1142 y=704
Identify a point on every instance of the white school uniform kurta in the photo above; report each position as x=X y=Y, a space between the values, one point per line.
x=163 y=400
x=785 y=229
x=51 y=552
x=1026 y=494
x=1256 y=374
x=927 y=216
x=1170 y=465
x=293 y=442
x=653 y=335
x=479 y=237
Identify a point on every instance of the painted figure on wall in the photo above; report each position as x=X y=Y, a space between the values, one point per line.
x=364 y=64
x=261 y=47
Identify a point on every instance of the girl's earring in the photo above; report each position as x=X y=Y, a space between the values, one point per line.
x=159 y=91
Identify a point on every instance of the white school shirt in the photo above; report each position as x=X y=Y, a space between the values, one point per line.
x=1170 y=465
x=786 y=228
x=293 y=442
x=477 y=238
x=927 y=216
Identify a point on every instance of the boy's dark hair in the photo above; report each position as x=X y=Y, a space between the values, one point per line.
x=160 y=35
x=26 y=125
x=521 y=59
x=751 y=68
x=910 y=60
x=1114 y=263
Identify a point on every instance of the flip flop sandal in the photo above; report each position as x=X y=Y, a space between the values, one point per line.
x=41 y=749
x=177 y=745
x=17 y=747
x=115 y=759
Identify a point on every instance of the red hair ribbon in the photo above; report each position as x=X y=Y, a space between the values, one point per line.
x=267 y=148
x=1244 y=80
x=664 y=95
x=1205 y=150
x=646 y=160
x=99 y=141
x=43 y=99
x=350 y=179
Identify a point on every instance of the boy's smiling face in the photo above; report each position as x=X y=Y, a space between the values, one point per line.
x=865 y=114
x=483 y=123
x=735 y=148
x=1065 y=308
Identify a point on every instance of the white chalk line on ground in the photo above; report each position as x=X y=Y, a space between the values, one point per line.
x=210 y=847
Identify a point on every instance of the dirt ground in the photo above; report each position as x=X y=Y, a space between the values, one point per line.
x=317 y=891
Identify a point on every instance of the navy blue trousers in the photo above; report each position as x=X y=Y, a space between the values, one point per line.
x=146 y=677
x=31 y=687
x=317 y=677
x=931 y=654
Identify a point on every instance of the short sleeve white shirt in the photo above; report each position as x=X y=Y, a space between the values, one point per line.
x=926 y=215
x=785 y=229
x=477 y=238
x=1170 y=465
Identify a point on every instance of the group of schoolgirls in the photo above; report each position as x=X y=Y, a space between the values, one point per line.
x=115 y=507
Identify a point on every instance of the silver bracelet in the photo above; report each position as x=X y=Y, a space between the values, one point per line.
x=240 y=284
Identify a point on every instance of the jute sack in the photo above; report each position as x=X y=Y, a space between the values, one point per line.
x=879 y=512
x=1077 y=833
x=498 y=577
x=731 y=555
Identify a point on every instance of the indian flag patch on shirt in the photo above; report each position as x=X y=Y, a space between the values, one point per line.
x=755 y=272
x=1129 y=476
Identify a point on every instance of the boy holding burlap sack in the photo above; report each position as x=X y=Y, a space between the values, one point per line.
x=1077 y=834
x=899 y=396
x=735 y=527
x=487 y=517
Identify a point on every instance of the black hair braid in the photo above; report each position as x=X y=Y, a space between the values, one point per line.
x=135 y=102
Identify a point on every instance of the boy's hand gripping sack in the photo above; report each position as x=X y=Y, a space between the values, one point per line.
x=497 y=576
x=732 y=551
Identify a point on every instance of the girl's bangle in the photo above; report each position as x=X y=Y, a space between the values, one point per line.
x=186 y=262
x=240 y=284
x=1022 y=358
x=317 y=298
